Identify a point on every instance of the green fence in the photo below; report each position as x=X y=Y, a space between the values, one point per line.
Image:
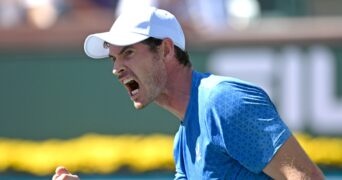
x=63 y=94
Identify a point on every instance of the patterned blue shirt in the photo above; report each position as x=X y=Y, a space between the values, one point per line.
x=231 y=130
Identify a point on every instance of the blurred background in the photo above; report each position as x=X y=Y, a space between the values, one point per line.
x=58 y=107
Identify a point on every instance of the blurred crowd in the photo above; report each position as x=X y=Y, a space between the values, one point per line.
x=43 y=14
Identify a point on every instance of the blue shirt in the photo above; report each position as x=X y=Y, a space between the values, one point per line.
x=231 y=130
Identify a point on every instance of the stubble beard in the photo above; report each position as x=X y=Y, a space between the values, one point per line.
x=155 y=83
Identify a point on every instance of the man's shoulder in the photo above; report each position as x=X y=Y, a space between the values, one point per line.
x=215 y=91
x=225 y=84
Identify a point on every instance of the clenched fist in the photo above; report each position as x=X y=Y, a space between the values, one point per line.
x=63 y=174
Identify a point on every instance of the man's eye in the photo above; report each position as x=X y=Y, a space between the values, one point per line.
x=113 y=58
x=128 y=53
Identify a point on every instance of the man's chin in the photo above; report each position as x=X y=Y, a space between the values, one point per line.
x=138 y=105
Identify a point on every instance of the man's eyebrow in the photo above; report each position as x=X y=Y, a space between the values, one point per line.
x=111 y=56
x=121 y=51
x=124 y=49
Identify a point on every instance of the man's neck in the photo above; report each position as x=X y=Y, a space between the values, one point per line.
x=177 y=93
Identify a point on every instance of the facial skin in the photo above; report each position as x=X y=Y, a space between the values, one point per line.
x=157 y=76
x=141 y=71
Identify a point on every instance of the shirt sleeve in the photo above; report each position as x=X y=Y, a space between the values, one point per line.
x=249 y=125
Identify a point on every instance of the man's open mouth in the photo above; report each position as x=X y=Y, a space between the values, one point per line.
x=132 y=86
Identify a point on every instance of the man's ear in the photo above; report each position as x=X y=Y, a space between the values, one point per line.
x=168 y=48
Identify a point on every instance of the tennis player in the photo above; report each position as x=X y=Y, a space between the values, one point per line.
x=229 y=128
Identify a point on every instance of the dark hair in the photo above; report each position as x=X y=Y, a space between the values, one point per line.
x=181 y=56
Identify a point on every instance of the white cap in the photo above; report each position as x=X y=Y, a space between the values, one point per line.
x=133 y=27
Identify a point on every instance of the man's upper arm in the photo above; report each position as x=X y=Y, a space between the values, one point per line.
x=291 y=162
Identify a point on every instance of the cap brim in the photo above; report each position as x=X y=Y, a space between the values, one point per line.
x=94 y=43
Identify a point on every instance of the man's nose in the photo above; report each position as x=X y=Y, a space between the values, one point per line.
x=118 y=69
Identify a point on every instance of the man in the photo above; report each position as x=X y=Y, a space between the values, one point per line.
x=229 y=128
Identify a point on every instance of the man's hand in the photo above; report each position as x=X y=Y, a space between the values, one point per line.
x=63 y=174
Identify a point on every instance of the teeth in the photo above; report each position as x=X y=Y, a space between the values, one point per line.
x=135 y=92
x=127 y=81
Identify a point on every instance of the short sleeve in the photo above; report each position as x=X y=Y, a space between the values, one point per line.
x=249 y=125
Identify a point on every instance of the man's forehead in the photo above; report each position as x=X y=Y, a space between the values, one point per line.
x=115 y=50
